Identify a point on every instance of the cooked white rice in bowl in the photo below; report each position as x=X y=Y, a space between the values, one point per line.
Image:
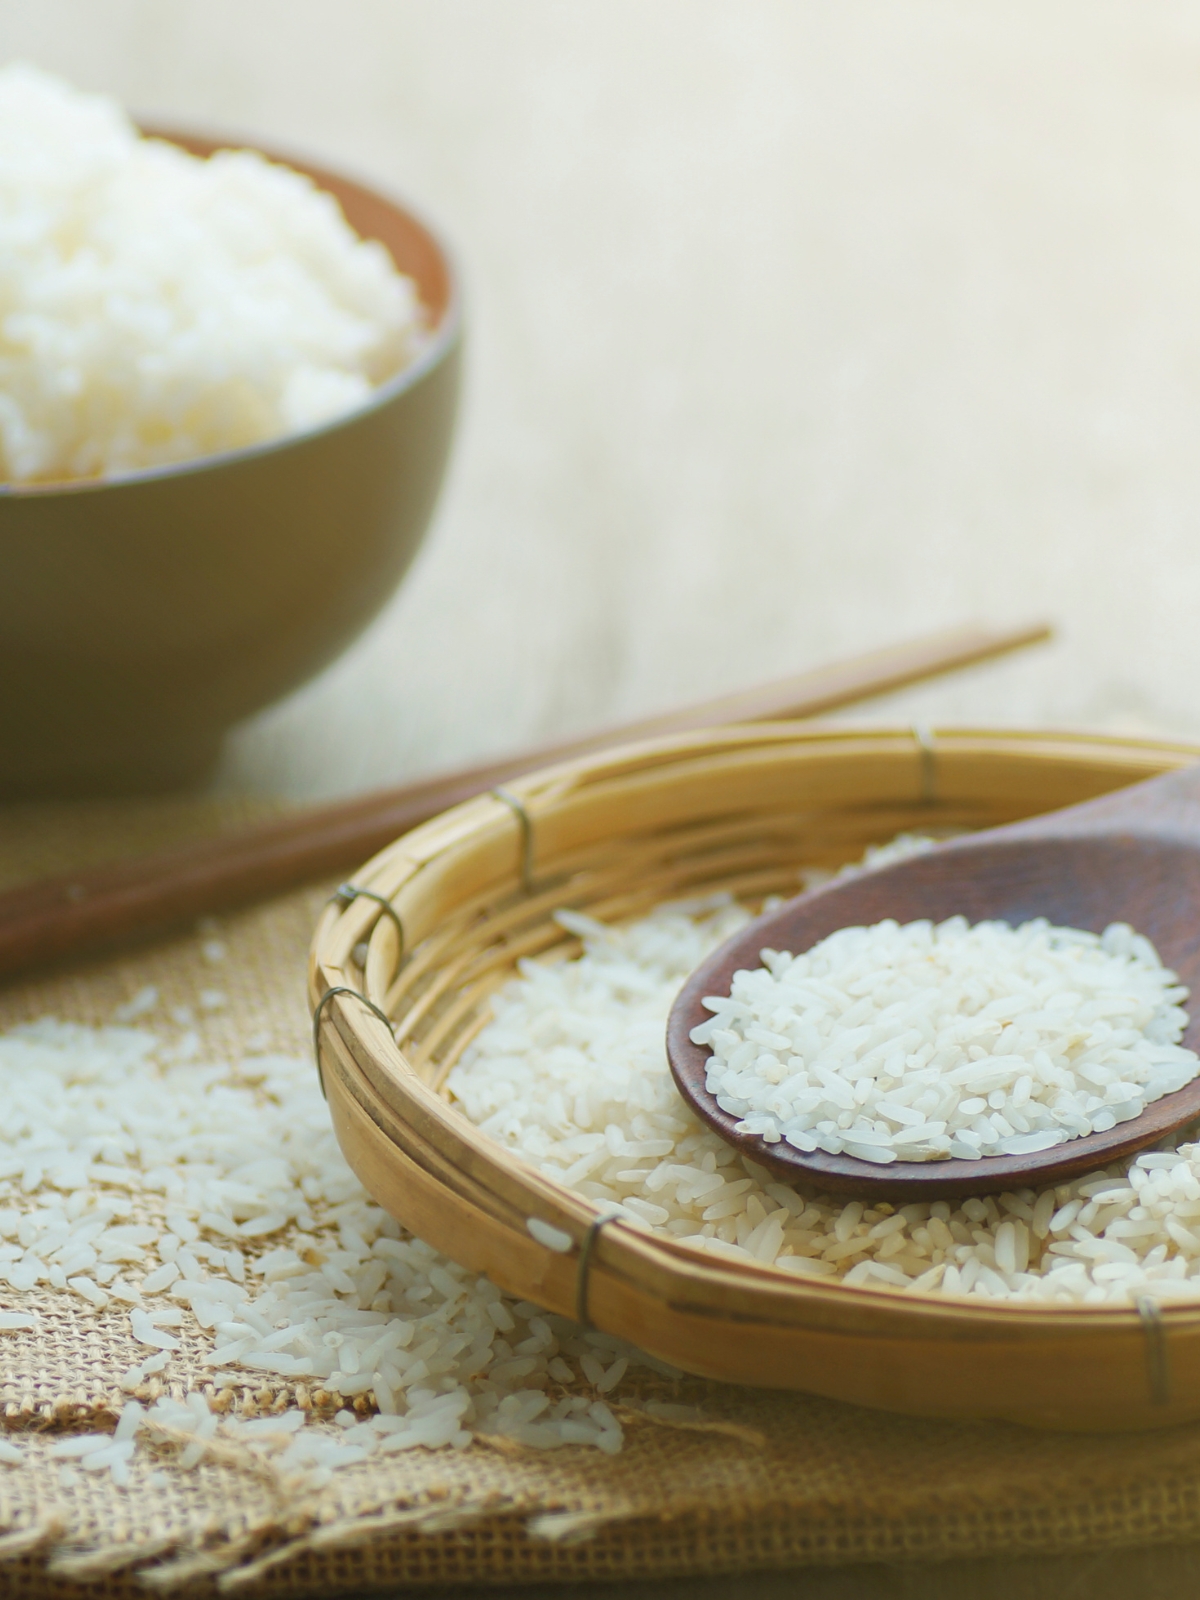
x=157 y=308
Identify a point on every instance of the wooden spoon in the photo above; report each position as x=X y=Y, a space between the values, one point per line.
x=1132 y=856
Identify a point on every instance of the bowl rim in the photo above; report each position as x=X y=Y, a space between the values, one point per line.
x=435 y=348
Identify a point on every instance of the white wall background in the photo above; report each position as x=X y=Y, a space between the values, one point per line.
x=796 y=327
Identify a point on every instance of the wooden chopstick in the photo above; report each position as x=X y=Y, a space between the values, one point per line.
x=136 y=898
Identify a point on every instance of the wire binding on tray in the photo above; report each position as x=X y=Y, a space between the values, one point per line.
x=1158 y=1362
x=340 y=988
x=517 y=807
x=923 y=738
x=348 y=893
x=585 y=1262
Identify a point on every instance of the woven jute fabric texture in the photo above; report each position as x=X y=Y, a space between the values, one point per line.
x=765 y=1480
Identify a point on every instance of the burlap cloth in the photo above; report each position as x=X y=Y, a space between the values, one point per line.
x=769 y=1480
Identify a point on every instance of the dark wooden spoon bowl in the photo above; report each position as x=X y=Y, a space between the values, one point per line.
x=1132 y=856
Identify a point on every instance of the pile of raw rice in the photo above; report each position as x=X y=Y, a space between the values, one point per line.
x=572 y=1075
x=925 y=1042
x=155 y=307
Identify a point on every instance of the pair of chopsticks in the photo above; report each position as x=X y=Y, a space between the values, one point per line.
x=50 y=919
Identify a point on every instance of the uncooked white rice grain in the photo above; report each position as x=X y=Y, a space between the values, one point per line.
x=923 y=1042
x=210 y=1206
x=572 y=1075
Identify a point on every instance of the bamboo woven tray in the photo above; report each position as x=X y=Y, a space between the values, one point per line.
x=449 y=909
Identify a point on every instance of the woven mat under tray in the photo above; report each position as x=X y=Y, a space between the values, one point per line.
x=771 y=1480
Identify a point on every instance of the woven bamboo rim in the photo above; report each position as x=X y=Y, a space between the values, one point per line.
x=443 y=915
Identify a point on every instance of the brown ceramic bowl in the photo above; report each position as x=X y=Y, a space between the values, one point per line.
x=141 y=615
